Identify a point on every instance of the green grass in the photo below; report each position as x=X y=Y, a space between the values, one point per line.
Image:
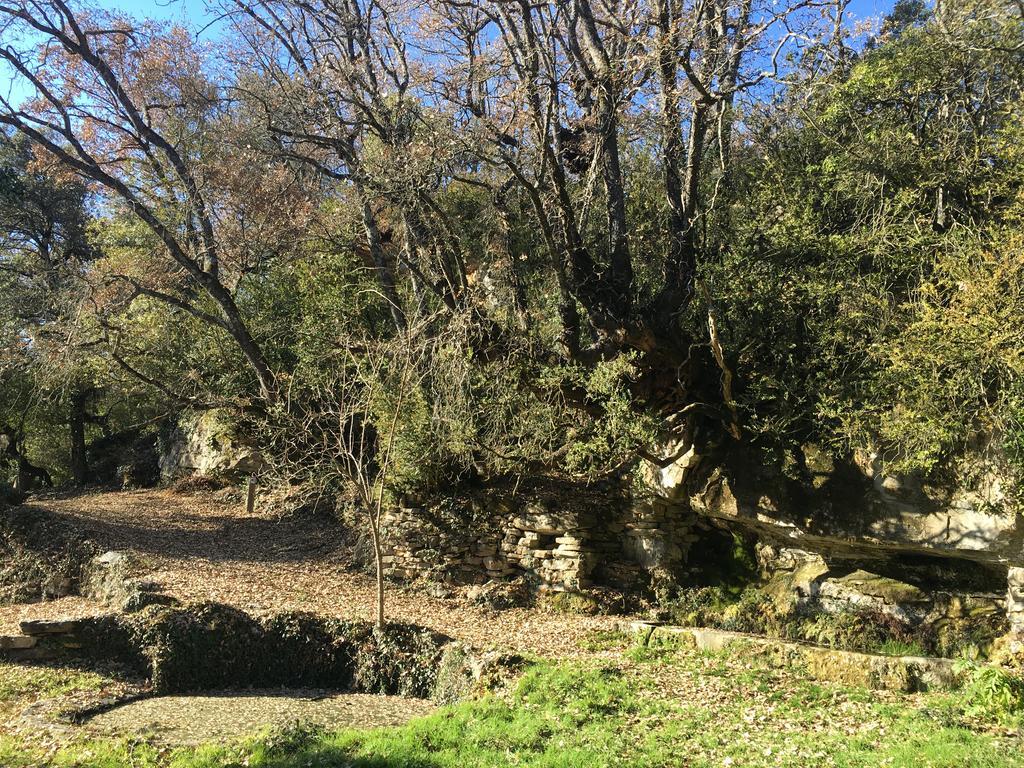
x=902 y=648
x=17 y=681
x=650 y=707
x=607 y=640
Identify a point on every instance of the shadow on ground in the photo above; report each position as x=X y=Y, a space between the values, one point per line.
x=148 y=528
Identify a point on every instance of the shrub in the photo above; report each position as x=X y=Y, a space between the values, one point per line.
x=969 y=636
x=303 y=647
x=572 y=602
x=38 y=554
x=110 y=639
x=992 y=693
x=861 y=630
x=211 y=646
x=754 y=611
x=748 y=610
x=699 y=606
x=400 y=659
x=208 y=646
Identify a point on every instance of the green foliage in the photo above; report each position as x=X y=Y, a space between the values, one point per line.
x=865 y=265
x=698 y=607
x=891 y=647
x=401 y=659
x=598 y=446
x=50 y=364
x=877 y=270
x=971 y=636
x=992 y=694
x=863 y=630
x=749 y=609
x=571 y=602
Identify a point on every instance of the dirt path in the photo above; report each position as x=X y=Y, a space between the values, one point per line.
x=200 y=547
x=217 y=717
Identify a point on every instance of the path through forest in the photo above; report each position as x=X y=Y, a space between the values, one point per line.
x=203 y=546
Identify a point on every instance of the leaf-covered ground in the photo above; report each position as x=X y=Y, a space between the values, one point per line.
x=593 y=699
x=214 y=717
x=204 y=547
x=632 y=707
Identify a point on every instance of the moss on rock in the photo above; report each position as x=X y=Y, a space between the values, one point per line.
x=210 y=646
x=40 y=555
x=398 y=659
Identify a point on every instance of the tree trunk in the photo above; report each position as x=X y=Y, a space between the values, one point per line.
x=378 y=559
x=621 y=265
x=243 y=338
x=672 y=144
x=78 y=461
x=385 y=275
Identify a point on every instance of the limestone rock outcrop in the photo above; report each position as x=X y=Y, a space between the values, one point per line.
x=856 y=510
x=207 y=444
x=110 y=578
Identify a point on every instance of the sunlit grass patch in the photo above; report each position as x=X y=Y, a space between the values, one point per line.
x=650 y=707
x=19 y=680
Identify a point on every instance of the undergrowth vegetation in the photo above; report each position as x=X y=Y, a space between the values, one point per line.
x=214 y=646
x=993 y=694
x=40 y=556
x=751 y=609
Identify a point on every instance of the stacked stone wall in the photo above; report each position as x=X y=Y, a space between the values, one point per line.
x=554 y=546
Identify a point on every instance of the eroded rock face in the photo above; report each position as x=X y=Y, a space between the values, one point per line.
x=792 y=577
x=110 y=578
x=880 y=594
x=847 y=535
x=207 y=444
x=1015 y=601
x=856 y=510
x=948 y=610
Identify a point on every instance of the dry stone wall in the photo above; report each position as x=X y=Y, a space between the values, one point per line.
x=556 y=545
x=211 y=646
x=568 y=541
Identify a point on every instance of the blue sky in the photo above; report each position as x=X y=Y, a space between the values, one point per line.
x=166 y=9
x=196 y=14
x=195 y=10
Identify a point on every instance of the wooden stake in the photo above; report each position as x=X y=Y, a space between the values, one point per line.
x=250 y=496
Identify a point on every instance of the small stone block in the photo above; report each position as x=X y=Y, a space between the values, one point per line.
x=47 y=627
x=16 y=642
